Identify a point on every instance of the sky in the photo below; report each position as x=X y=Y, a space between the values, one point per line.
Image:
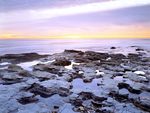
x=74 y=19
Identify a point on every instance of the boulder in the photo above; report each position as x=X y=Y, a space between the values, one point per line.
x=139 y=49
x=61 y=62
x=87 y=79
x=113 y=48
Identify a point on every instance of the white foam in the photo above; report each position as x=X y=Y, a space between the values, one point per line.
x=70 y=67
x=99 y=72
x=139 y=72
x=4 y=63
x=28 y=65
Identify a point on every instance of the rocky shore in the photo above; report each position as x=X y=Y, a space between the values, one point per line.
x=76 y=82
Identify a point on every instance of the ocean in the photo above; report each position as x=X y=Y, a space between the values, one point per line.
x=50 y=46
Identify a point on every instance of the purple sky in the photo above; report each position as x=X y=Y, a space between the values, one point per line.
x=23 y=18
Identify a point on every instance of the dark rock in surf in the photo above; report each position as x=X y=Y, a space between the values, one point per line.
x=24 y=57
x=113 y=48
x=74 y=51
x=61 y=62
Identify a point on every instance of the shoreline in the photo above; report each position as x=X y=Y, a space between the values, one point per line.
x=76 y=81
x=57 y=46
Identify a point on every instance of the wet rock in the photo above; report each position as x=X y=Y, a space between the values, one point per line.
x=40 y=90
x=81 y=59
x=40 y=67
x=123 y=85
x=117 y=56
x=118 y=74
x=14 y=68
x=8 y=96
x=44 y=75
x=17 y=58
x=87 y=100
x=87 y=79
x=98 y=98
x=134 y=57
x=25 y=73
x=56 y=84
x=11 y=82
x=130 y=89
x=139 y=49
x=135 y=77
x=146 y=60
x=146 y=88
x=89 y=95
x=56 y=109
x=75 y=75
x=142 y=103
x=118 y=97
x=11 y=76
x=113 y=48
x=80 y=109
x=90 y=105
x=85 y=95
x=113 y=69
x=124 y=92
x=64 y=92
x=105 y=110
x=27 y=100
x=96 y=103
x=142 y=79
x=61 y=62
x=126 y=67
x=76 y=102
x=74 y=51
x=95 y=55
x=116 y=84
x=18 y=70
x=50 y=87
x=48 y=68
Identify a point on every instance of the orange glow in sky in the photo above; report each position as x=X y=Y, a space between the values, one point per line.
x=107 y=19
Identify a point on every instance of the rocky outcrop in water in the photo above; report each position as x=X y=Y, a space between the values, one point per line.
x=25 y=57
x=75 y=81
